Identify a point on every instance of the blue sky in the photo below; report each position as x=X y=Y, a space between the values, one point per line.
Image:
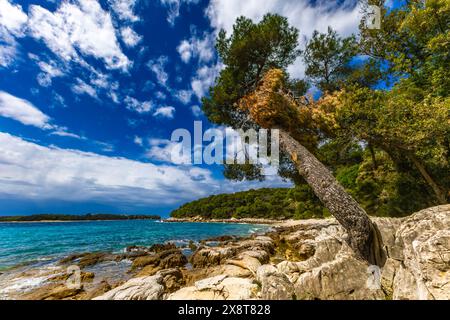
x=91 y=90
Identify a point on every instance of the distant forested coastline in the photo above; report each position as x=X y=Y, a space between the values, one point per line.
x=268 y=203
x=86 y=217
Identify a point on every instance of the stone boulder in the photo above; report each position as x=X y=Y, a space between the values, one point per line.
x=211 y=256
x=218 y=288
x=423 y=242
x=343 y=278
x=150 y=264
x=142 y=288
x=275 y=285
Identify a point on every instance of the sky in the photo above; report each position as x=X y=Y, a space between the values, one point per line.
x=91 y=90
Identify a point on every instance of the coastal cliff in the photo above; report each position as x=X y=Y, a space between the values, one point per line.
x=306 y=259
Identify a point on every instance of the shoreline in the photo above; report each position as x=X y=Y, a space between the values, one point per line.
x=25 y=265
x=281 y=264
x=231 y=220
x=56 y=221
x=256 y=221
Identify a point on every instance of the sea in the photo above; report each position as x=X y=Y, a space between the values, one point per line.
x=31 y=243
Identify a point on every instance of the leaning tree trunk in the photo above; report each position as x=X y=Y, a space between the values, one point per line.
x=440 y=195
x=364 y=237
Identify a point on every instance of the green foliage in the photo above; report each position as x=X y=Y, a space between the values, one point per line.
x=240 y=172
x=327 y=58
x=281 y=203
x=248 y=53
x=388 y=143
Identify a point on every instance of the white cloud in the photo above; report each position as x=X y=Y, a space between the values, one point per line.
x=104 y=82
x=167 y=151
x=12 y=18
x=173 y=8
x=165 y=112
x=135 y=105
x=62 y=132
x=138 y=140
x=72 y=175
x=160 y=95
x=58 y=100
x=185 y=51
x=196 y=111
x=124 y=9
x=8 y=53
x=82 y=87
x=184 y=96
x=157 y=66
x=203 y=49
x=344 y=18
x=23 y=111
x=49 y=71
x=76 y=176
x=130 y=37
x=204 y=79
x=78 y=27
x=12 y=24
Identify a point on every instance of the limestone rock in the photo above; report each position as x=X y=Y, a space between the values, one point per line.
x=345 y=277
x=424 y=240
x=172 y=279
x=166 y=259
x=245 y=262
x=205 y=257
x=142 y=288
x=274 y=284
x=52 y=291
x=218 y=288
x=234 y=271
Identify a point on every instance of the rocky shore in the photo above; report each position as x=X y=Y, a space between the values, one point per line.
x=303 y=260
x=232 y=220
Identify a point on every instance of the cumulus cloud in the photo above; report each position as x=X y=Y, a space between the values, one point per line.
x=82 y=87
x=165 y=112
x=12 y=18
x=105 y=83
x=184 y=96
x=204 y=79
x=167 y=151
x=8 y=53
x=124 y=9
x=73 y=175
x=135 y=105
x=130 y=37
x=76 y=176
x=303 y=14
x=196 y=111
x=58 y=100
x=12 y=25
x=78 y=27
x=160 y=95
x=173 y=8
x=138 y=140
x=201 y=48
x=23 y=111
x=49 y=71
x=157 y=66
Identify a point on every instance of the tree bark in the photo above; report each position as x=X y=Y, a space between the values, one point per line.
x=401 y=155
x=440 y=195
x=363 y=236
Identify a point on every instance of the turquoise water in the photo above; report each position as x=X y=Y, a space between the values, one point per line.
x=31 y=242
